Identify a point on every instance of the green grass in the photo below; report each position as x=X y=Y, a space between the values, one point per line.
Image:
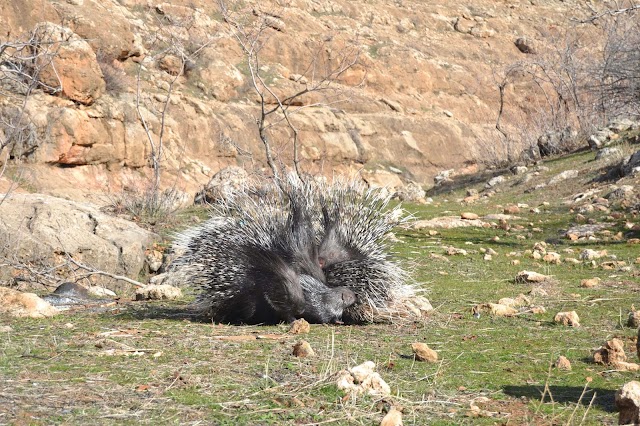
x=53 y=372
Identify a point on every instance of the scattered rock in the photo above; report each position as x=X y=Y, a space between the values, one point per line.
x=567 y=174
x=538 y=292
x=447 y=222
x=588 y=254
x=469 y=216
x=625 y=366
x=631 y=164
x=634 y=319
x=562 y=363
x=494 y=181
x=624 y=192
x=300 y=326
x=153 y=259
x=392 y=418
x=590 y=282
x=443 y=176
x=567 y=318
x=607 y=152
x=222 y=184
x=158 y=292
x=612 y=351
x=496 y=309
x=628 y=403
x=554 y=142
x=18 y=304
x=520 y=300
x=362 y=379
x=412 y=191
x=100 y=292
x=423 y=352
x=5 y=329
x=519 y=170
x=511 y=209
x=453 y=251
x=552 y=257
x=530 y=277
x=586 y=230
x=303 y=349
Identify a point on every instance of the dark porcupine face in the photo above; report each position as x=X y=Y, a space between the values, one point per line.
x=324 y=304
x=370 y=280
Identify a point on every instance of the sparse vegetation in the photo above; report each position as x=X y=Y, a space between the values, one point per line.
x=176 y=369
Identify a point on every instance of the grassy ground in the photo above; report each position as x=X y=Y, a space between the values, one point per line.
x=153 y=364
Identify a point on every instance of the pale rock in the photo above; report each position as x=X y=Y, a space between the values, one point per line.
x=628 y=403
x=17 y=304
x=158 y=292
x=392 y=418
x=562 y=363
x=611 y=352
x=423 y=352
x=302 y=349
x=567 y=318
x=531 y=277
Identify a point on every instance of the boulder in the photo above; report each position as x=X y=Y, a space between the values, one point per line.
x=628 y=403
x=69 y=66
x=40 y=229
x=222 y=184
x=18 y=304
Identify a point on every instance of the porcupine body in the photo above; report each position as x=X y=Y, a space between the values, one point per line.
x=353 y=250
x=257 y=262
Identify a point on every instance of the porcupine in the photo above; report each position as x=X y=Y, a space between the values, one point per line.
x=259 y=263
x=353 y=250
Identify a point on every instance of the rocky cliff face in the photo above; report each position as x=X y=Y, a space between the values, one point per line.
x=420 y=98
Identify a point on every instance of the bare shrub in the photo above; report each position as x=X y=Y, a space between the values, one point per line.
x=145 y=203
x=619 y=86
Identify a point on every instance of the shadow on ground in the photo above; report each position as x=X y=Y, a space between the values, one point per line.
x=159 y=310
x=604 y=399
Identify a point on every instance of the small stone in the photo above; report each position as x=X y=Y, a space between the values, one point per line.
x=362 y=371
x=100 y=292
x=303 y=349
x=423 y=352
x=488 y=257
x=562 y=363
x=612 y=351
x=515 y=262
x=153 y=259
x=628 y=403
x=589 y=254
x=452 y=251
x=158 y=292
x=5 y=328
x=530 y=277
x=511 y=209
x=625 y=366
x=392 y=418
x=590 y=282
x=567 y=318
x=469 y=216
x=538 y=292
x=552 y=257
x=496 y=309
x=299 y=326
x=18 y=304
